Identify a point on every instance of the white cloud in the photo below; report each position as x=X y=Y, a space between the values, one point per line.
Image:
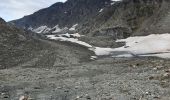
x=14 y=9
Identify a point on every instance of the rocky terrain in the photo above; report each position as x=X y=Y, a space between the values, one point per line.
x=34 y=67
x=18 y=46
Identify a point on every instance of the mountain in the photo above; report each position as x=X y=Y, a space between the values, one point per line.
x=127 y=18
x=24 y=48
x=74 y=54
x=140 y=17
x=63 y=14
x=101 y=21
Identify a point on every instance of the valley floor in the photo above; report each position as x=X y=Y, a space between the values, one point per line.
x=101 y=79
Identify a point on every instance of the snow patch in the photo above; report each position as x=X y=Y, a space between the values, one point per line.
x=46 y=29
x=113 y=1
x=75 y=35
x=73 y=40
x=152 y=45
x=93 y=57
x=146 y=44
x=73 y=28
x=101 y=10
x=56 y=29
x=156 y=45
x=42 y=29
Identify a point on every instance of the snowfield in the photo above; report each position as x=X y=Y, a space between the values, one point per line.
x=151 y=45
x=157 y=45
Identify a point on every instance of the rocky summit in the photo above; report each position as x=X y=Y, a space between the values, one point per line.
x=88 y=50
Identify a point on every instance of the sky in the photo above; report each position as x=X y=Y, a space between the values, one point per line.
x=15 y=9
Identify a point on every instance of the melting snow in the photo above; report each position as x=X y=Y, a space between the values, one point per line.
x=157 y=45
x=147 y=44
x=73 y=40
x=152 y=45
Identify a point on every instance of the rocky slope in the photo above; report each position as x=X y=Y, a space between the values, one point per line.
x=140 y=17
x=19 y=47
x=127 y=18
x=102 y=19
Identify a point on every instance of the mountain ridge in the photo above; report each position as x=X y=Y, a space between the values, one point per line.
x=107 y=21
x=62 y=14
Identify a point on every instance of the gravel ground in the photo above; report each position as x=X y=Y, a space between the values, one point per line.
x=101 y=79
